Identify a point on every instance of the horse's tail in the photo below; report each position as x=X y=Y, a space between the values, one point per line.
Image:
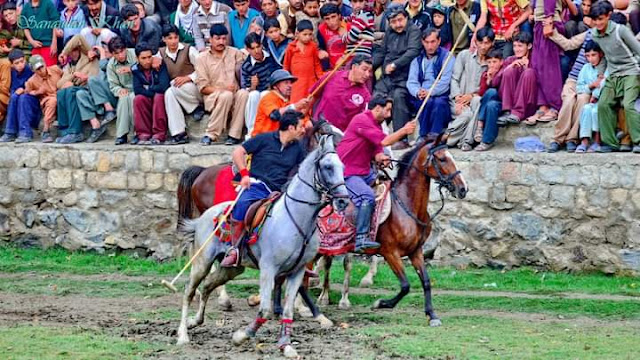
x=185 y=200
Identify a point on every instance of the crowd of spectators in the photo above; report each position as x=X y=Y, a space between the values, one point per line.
x=479 y=65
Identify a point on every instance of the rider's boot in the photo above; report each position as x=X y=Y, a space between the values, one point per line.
x=237 y=234
x=363 y=228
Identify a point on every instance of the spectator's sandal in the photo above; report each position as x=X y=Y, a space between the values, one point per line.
x=594 y=148
x=533 y=119
x=484 y=147
x=466 y=147
x=581 y=149
x=551 y=115
x=477 y=135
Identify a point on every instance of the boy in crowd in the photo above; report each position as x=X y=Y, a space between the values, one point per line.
x=149 y=86
x=12 y=36
x=302 y=61
x=311 y=12
x=490 y=105
x=43 y=85
x=41 y=37
x=256 y=70
x=276 y=42
x=24 y=111
x=590 y=82
x=331 y=32
x=239 y=21
x=361 y=24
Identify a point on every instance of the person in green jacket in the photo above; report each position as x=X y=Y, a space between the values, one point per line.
x=183 y=19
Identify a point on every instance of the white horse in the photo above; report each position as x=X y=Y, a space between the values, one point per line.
x=287 y=243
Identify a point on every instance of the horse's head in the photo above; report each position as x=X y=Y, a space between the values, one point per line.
x=441 y=167
x=320 y=128
x=330 y=173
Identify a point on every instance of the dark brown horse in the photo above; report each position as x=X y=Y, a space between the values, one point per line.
x=409 y=224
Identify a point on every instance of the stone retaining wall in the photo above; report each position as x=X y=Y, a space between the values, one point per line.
x=558 y=211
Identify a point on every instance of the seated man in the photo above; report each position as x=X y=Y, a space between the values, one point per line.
x=423 y=72
x=103 y=21
x=363 y=142
x=273 y=156
x=400 y=46
x=276 y=102
x=216 y=79
x=121 y=86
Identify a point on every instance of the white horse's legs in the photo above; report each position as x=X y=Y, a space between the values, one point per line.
x=198 y=272
x=267 y=283
x=323 y=299
x=367 y=280
x=301 y=308
x=344 y=303
x=293 y=284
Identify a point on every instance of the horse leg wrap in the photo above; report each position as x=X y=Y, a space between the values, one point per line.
x=286 y=328
x=255 y=326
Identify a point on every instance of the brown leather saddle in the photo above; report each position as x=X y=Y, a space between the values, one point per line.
x=257 y=212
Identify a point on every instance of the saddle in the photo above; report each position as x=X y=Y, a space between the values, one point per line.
x=337 y=231
x=257 y=214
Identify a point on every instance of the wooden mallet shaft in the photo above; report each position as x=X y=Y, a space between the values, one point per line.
x=339 y=64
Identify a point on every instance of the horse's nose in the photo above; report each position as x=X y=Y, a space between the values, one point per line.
x=462 y=193
x=341 y=204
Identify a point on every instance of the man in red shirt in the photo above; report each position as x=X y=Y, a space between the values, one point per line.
x=363 y=142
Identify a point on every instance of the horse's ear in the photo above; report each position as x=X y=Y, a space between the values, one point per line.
x=322 y=141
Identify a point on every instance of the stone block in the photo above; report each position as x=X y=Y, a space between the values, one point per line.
x=136 y=181
x=70 y=199
x=20 y=178
x=104 y=162
x=478 y=190
x=114 y=180
x=8 y=156
x=88 y=199
x=60 y=178
x=154 y=181
x=618 y=196
x=48 y=159
x=490 y=170
x=631 y=258
x=4 y=176
x=5 y=195
x=171 y=182
x=75 y=159
x=29 y=158
x=517 y=193
x=551 y=174
x=562 y=197
x=157 y=199
x=39 y=179
x=146 y=161
x=179 y=162
x=527 y=226
x=160 y=162
x=89 y=160
x=540 y=194
x=572 y=175
x=609 y=177
x=206 y=160
x=117 y=160
x=62 y=158
x=113 y=197
x=510 y=172
x=589 y=176
x=599 y=198
x=529 y=174
x=79 y=179
x=132 y=161
x=627 y=176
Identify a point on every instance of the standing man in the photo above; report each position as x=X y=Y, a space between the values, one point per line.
x=465 y=85
x=276 y=102
x=216 y=79
x=346 y=94
x=209 y=13
x=363 y=143
x=183 y=95
x=423 y=73
x=140 y=30
x=459 y=13
x=273 y=156
x=400 y=46
x=239 y=22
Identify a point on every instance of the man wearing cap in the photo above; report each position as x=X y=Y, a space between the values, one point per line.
x=275 y=103
x=274 y=155
x=346 y=94
x=216 y=79
x=24 y=111
x=43 y=85
x=400 y=46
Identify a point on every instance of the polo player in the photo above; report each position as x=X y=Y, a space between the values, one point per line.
x=274 y=155
x=363 y=142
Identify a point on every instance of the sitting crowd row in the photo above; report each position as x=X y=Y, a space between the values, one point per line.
x=471 y=68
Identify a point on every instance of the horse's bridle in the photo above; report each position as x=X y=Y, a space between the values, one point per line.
x=442 y=181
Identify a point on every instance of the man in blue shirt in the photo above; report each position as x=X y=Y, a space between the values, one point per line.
x=239 y=21
x=274 y=155
x=423 y=71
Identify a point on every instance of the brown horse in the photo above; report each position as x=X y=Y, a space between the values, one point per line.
x=409 y=224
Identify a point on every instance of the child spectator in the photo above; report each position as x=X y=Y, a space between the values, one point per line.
x=417 y=14
x=590 y=82
x=12 y=36
x=43 y=85
x=183 y=19
x=440 y=22
x=490 y=105
x=270 y=11
x=361 y=24
x=40 y=37
x=302 y=60
x=331 y=32
x=24 y=111
x=516 y=82
x=149 y=86
x=311 y=12
x=121 y=85
x=239 y=21
x=276 y=42
x=256 y=70
x=622 y=87
x=71 y=19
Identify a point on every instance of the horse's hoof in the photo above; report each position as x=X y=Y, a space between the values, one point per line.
x=225 y=304
x=304 y=312
x=323 y=300
x=435 y=322
x=325 y=323
x=376 y=305
x=191 y=323
x=344 y=305
x=289 y=352
x=253 y=300
x=366 y=282
x=182 y=340
x=239 y=337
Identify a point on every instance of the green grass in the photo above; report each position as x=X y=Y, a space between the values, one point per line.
x=479 y=337
x=39 y=342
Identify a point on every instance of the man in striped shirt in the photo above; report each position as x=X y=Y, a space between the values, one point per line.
x=209 y=13
x=362 y=26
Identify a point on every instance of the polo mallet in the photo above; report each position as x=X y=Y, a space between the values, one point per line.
x=435 y=82
x=339 y=64
x=222 y=220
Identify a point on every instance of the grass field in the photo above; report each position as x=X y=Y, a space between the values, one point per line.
x=487 y=314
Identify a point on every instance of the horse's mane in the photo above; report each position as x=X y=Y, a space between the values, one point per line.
x=407 y=159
